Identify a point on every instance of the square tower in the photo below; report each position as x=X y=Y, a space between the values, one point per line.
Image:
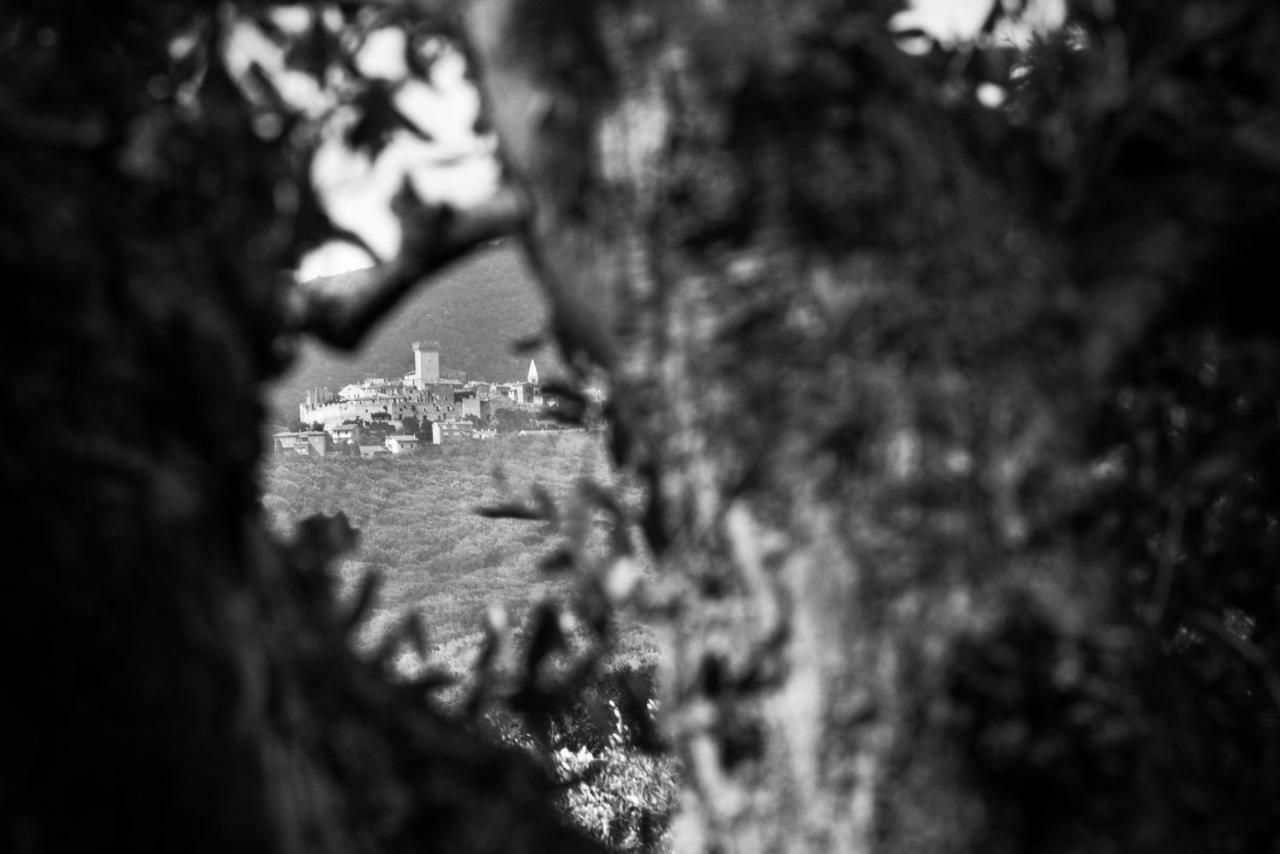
x=426 y=363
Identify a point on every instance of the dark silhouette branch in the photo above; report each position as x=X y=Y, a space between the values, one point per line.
x=434 y=237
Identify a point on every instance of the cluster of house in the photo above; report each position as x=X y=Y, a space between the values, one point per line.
x=360 y=440
x=380 y=416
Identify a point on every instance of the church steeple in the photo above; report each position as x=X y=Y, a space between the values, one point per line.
x=533 y=373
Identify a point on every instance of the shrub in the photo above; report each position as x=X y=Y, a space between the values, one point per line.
x=621 y=795
x=616 y=791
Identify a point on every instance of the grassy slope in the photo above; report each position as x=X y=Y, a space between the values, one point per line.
x=476 y=309
x=436 y=555
x=420 y=531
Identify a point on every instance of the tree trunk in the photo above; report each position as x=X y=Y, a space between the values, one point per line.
x=175 y=679
x=859 y=354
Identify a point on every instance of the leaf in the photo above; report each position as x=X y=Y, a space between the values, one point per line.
x=379 y=119
x=574 y=416
x=560 y=560
x=262 y=19
x=322 y=538
x=365 y=596
x=412 y=631
x=266 y=88
x=432 y=679
x=315 y=50
x=546 y=637
x=545 y=503
x=419 y=65
x=528 y=345
x=512 y=510
x=565 y=391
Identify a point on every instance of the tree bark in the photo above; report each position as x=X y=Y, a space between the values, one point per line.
x=857 y=348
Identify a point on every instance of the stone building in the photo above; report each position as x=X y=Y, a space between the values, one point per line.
x=426 y=363
x=380 y=398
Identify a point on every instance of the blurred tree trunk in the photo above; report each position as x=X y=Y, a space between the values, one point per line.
x=174 y=677
x=860 y=334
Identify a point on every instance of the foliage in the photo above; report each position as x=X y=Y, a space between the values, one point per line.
x=996 y=303
x=438 y=559
x=1051 y=724
x=1189 y=452
x=980 y=328
x=194 y=685
x=420 y=535
x=510 y=420
x=1123 y=135
x=613 y=783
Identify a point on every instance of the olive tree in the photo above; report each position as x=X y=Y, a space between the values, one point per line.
x=939 y=350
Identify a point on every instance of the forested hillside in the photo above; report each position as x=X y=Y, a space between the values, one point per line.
x=477 y=310
x=419 y=530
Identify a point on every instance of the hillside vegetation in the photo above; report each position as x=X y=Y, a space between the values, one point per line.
x=420 y=532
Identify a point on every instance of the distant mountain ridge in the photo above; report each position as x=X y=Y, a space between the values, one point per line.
x=476 y=310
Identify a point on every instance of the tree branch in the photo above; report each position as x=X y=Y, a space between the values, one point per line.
x=434 y=237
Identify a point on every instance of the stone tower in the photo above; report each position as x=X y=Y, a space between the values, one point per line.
x=533 y=373
x=426 y=363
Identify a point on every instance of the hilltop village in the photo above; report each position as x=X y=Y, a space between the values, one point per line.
x=384 y=416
